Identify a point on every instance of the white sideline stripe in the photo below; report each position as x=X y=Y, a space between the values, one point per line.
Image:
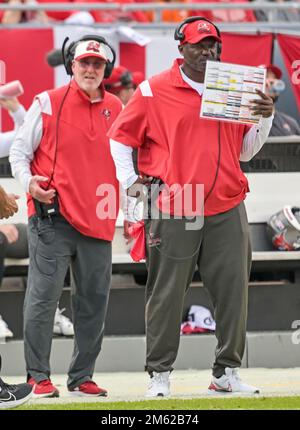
x=125 y=258
x=146 y=89
x=45 y=102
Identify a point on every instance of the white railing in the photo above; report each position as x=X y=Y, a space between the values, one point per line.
x=157 y=8
x=150 y=6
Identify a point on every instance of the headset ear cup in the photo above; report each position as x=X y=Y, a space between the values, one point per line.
x=68 y=66
x=219 y=49
x=69 y=55
x=108 y=69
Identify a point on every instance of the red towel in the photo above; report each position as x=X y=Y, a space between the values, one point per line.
x=137 y=232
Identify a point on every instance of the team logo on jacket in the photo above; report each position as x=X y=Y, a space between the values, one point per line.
x=203 y=27
x=106 y=113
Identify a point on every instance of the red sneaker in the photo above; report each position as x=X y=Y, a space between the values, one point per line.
x=43 y=389
x=88 y=389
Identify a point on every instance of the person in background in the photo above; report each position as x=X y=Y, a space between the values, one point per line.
x=291 y=15
x=121 y=84
x=17 y=113
x=115 y=15
x=283 y=124
x=13 y=237
x=42 y=16
x=224 y=15
x=13 y=16
x=11 y=396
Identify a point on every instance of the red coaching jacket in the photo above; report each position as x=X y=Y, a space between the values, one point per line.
x=162 y=120
x=84 y=173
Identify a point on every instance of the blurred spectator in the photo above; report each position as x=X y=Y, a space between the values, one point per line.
x=120 y=83
x=17 y=112
x=224 y=15
x=123 y=83
x=172 y=15
x=292 y=15
x=13 y=237
x=15 y=16
x=108 y=16
x=10 y=395
x=70 y=16
x=283 y=124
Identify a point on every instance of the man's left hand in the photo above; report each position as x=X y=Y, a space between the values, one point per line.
x=263 y=106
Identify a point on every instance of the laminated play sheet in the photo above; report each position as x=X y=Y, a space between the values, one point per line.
x=228 y=88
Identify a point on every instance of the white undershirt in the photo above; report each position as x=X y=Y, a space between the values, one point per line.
x=197 y=86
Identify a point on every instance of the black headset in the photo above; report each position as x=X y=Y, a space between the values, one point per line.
x=69 y=52
x=179 y=35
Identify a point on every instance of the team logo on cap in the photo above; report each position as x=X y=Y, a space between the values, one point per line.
x=203 y=27
x=93 y=46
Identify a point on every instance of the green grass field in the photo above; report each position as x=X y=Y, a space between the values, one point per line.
x=266 y=403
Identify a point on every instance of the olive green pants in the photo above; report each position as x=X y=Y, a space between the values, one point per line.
x=222 y=252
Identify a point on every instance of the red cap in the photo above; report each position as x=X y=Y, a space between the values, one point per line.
x=198 y=30
x=119 y=79
x=277 y=72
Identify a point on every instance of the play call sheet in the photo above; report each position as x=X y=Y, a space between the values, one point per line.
x=228 y=88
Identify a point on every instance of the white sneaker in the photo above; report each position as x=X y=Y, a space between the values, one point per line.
x=62 y=325
x=231 y=383
x=159 y=385
x=4 y=330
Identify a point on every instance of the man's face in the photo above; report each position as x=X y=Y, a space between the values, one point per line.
x=88 y=73
x=197 y=54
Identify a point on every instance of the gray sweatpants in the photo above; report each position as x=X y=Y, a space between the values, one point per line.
x=222 y=251
x=53 y=246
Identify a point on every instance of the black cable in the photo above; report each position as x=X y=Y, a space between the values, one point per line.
x=56 y=133
x=51 y=178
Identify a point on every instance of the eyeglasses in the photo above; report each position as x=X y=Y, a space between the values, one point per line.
x=96 y=64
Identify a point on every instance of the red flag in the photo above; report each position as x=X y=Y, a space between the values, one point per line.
x=137 y=232
x=24 y=53
x=250 y=50
x=290 y=49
